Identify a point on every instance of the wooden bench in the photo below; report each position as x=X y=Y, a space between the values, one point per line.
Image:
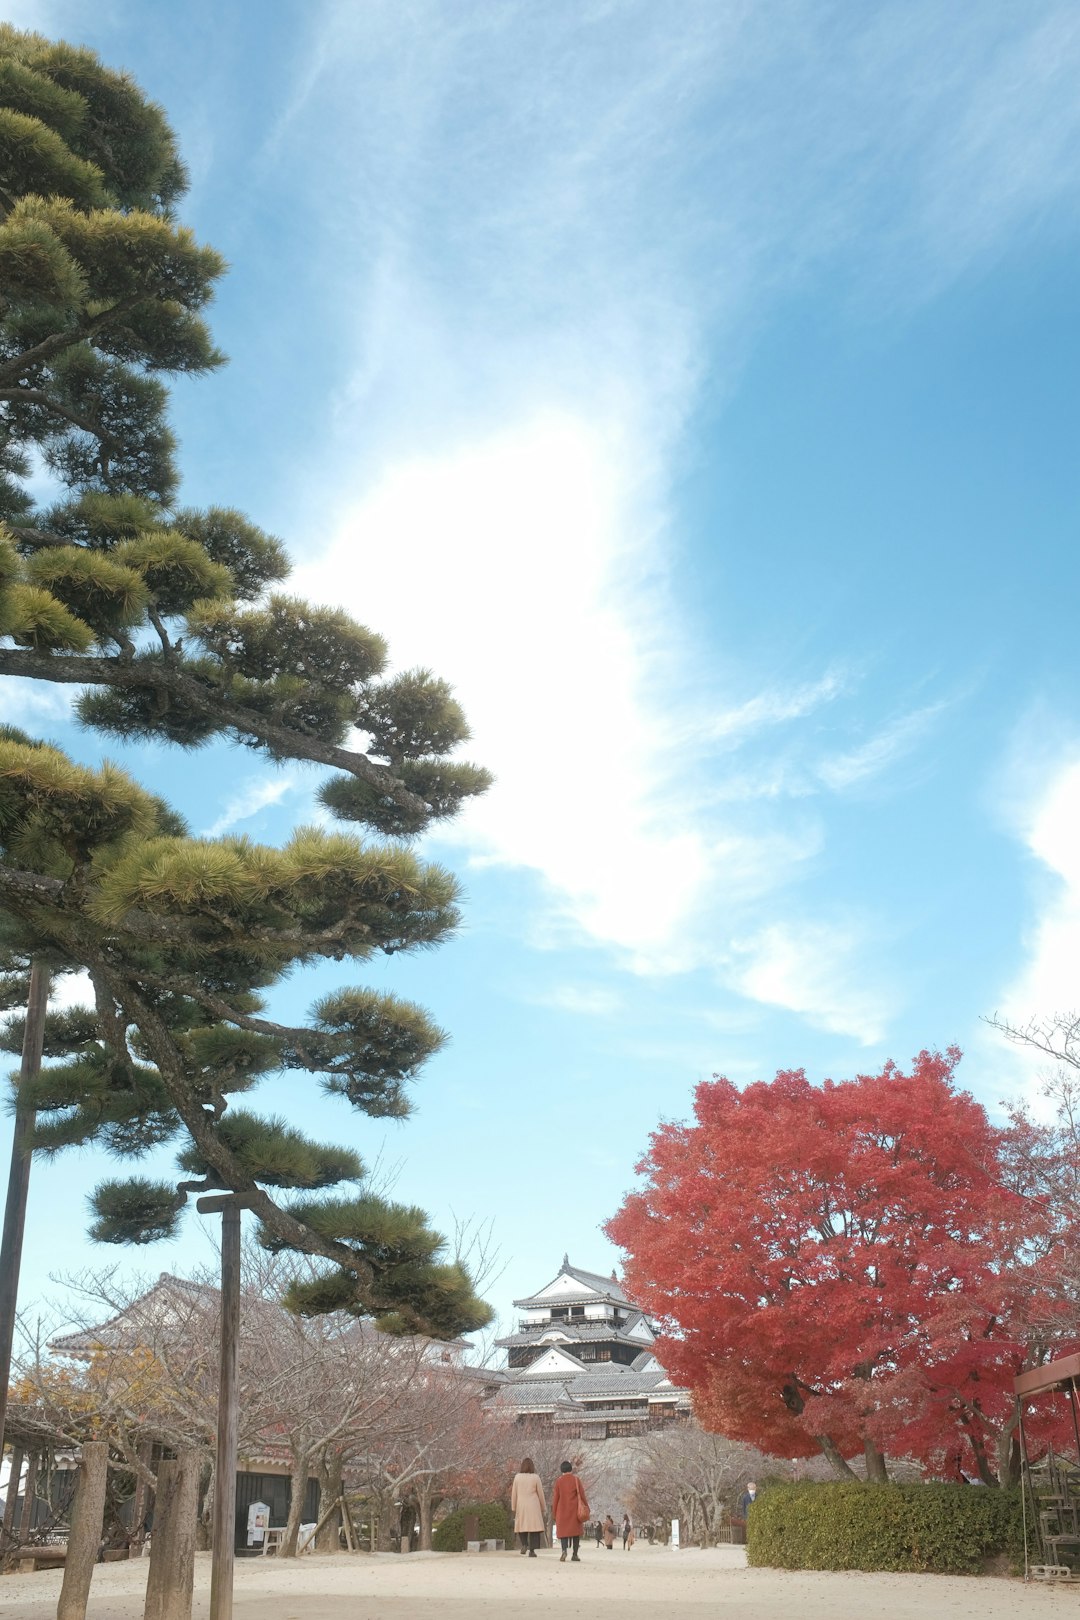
x=25 y=1560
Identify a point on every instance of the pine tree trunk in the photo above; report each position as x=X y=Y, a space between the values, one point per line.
x=84 y=1539
x=297 y=1491
x=330 y=1472
x=830 y=1452
x=876 y=1471
x=171 y=1576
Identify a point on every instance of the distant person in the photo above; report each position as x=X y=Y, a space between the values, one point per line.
x=627 y=1532
x=570 y=1510
x=746 y=1498
x=528 y=1506
x=609 y=1532
x=599 y=1531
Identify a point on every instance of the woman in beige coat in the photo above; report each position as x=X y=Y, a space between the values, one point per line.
x=529 y=1505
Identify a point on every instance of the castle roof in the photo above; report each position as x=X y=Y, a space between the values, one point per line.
x=573 y=1286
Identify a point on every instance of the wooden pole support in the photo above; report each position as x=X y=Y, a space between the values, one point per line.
x=224 y=1548
x=84 y=1540
x=18 y=1188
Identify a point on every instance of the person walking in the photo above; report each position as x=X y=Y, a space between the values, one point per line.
x=627 y=1532
x=570 y=1511
x=609 y=1532
x=528 y=1505
x=599 y=1531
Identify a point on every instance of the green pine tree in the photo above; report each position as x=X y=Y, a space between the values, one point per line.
x=183 y=938
x=161 y=613
x=163 y=616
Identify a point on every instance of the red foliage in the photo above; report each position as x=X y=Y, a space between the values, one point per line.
x=843 y=1261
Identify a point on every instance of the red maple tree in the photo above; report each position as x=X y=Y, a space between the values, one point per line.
x=840 y=1266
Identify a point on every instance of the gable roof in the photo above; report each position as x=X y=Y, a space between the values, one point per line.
x=573 y=1283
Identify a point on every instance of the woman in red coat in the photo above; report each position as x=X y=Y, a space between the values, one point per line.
x=570 y=1511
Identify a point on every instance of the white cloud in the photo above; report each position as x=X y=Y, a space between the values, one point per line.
x=256 y=795
x=543 y=225
x=30 y=704
x=1049 y=982
x=592 y=1001
x=815 y=969
x=894 y=742
x=523 y=545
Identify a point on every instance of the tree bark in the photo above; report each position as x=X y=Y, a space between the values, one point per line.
x=139 y=1502
x=26 y=1518
x=204 y=1536
x=876 y=1471
x=425 y=1496
x=84 y=1540
x=171 y=1576
x=1008 y=1456
x=298 y=1479
x=12 y=1493
x=330 y=1472
x=389 y=1523
x=831 y=1453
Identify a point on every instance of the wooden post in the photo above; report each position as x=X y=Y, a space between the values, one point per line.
x=171 y=1576
x=223 y=1556
x=84 y=1541
x=18 y=1188
x=12 y=1492
x=26 y=1518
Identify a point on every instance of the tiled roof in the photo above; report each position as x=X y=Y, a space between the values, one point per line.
x=591 y=1281
x=576 y=1332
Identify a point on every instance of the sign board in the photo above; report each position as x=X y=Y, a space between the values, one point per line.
x=675 y=1534
x=258 y=1523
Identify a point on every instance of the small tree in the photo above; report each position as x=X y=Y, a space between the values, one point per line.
x=695 y=1477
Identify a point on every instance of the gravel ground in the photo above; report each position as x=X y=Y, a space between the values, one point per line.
x=647 y=1583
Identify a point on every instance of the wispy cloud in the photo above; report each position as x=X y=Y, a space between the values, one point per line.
x=255 y=796
x=592 y=1001
x=893 y=742
x=562 y=215
x=815 y=969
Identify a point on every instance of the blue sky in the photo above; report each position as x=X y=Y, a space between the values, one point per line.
x=694 y=387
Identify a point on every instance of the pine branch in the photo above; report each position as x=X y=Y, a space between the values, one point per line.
x=57 y=342
x=36 y=396
x=79 y=670
x=183 y=1097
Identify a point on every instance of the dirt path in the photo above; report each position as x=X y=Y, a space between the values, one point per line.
x=645 y=1584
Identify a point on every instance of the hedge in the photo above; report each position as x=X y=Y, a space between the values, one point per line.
x=948 y=1529
x=496 y=1524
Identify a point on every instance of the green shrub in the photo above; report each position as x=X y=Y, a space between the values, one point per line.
x=496 y=1524
x=948 y=1529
